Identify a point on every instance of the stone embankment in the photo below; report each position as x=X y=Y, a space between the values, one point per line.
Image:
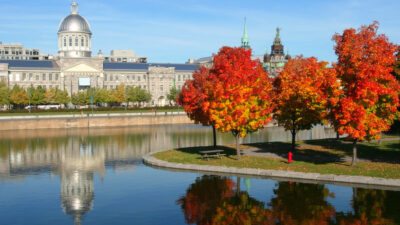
x=369 y=182
x=91 y=120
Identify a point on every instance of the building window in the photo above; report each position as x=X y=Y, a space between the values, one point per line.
x=179 y=77
x=44 y=76
x=65 y=42
x=37 y=77
x=87 y=42
x=50 y=77
x=23 y=76
x=82 y=42
x=105 y=77
x=133 y=77
x=144 y=76
x=70 y=41
x=144 y=86
x=161 y=88
x=30 y=76
x=127 y=77
x=116 y=76
x=138 y=78
x=111 y=77
x=56 y=76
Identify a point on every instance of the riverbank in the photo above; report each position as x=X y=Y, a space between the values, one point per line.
x=91 y=120
x=324 y=161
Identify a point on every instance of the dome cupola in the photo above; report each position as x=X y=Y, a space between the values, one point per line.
x=74 y=35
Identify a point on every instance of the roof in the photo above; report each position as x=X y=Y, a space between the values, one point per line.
x=145 y=66
x=49 y=64
x=35 y=64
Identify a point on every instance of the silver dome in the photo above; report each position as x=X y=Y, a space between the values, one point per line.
x=74 y=23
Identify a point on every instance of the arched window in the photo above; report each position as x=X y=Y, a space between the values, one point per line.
x=82 y=42
x=70 y=41
x=65 y=41
x=87 y=42
x=76 y=41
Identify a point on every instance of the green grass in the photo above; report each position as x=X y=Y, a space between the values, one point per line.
x=316 y=153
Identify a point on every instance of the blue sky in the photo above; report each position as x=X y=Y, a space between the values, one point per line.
x=173 y=31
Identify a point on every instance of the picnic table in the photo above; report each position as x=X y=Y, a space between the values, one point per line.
x=211 y=153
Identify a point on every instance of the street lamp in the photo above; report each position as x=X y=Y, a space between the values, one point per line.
x=29 y=99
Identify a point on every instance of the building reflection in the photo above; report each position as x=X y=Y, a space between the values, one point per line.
x=76 y=170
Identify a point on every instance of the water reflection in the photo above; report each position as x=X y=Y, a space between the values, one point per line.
x=219 y=200
x=78 y=156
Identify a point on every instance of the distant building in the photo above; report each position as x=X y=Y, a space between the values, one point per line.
x=276 y=60
x=125 y=56
x=18 y=52
x=75 y=69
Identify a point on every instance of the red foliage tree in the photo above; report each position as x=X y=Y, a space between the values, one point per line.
x=193 y=96
x=371 y=93
x=239 y=93
x=303 y=91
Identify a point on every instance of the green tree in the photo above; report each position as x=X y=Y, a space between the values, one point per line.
x=4 y=94
x=118 y=94
x=18 y=96
x=62 y=97
x=37 y=95
x=50 y=96
x=80 y=98
x=101 y=95
x=172 y=95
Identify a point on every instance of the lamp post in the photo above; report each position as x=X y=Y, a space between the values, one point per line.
x=126 y=103
x=29 y=99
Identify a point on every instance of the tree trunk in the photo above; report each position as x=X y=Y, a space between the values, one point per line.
x=354 y=159
x=337 y=135
x=237 y=146
x=237 y=184
x=293 y=140
x=214 y=137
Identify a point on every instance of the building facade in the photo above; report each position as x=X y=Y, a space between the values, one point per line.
x=75 y=69
x=18 y=52
x=276 y=60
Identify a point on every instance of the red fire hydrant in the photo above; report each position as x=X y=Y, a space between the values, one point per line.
x=290 y=155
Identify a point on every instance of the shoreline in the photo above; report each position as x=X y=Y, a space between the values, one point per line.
x=106 y=120
x=275 y=174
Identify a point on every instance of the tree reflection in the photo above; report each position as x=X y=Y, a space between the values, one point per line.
x=371 y=207
x=297 y=203
x=203 y=197
x=213 y=200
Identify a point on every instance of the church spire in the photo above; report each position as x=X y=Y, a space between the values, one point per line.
x=277 y=40
x=245 y=38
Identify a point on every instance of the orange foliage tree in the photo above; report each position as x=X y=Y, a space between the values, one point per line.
x=303 y=90
x=192 y=97
x=371 y=93
x=238 y=93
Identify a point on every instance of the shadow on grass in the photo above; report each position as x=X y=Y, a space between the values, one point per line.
x=387 y=152
x=332 y=151
x=228 y=151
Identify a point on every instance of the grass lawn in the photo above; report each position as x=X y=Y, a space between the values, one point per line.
x=315 y=157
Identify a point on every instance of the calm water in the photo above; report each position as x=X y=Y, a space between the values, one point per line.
x=96 y=176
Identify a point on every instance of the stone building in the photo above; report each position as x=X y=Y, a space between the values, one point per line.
x=18 y=52
x=75 y=69
x=276 y=60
